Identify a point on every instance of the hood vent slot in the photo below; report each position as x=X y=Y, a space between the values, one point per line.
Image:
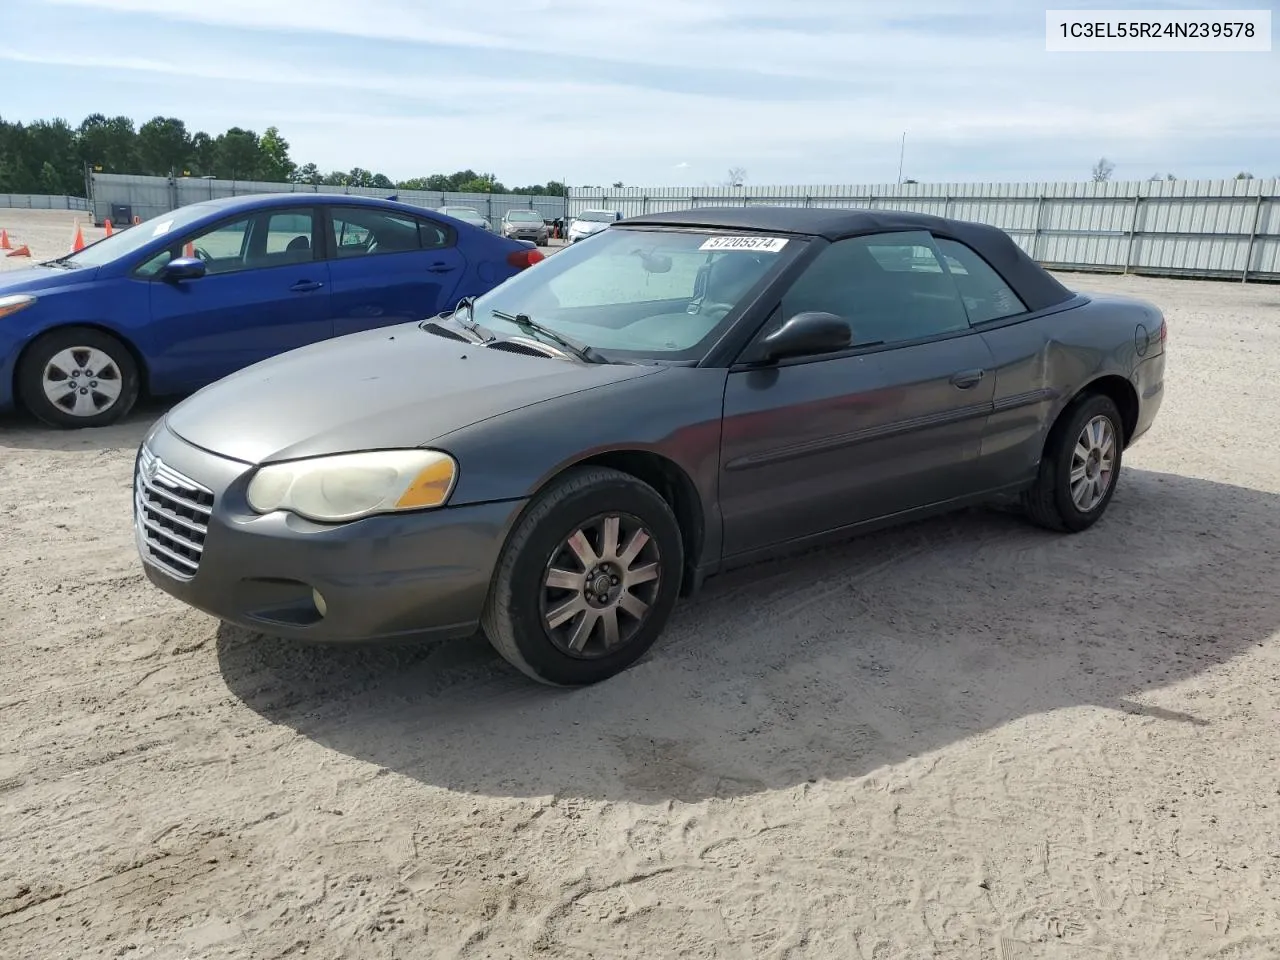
x=433 y=327
x=508 y=346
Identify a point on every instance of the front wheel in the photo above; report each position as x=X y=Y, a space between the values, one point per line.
x=78 y=377
x=588 y=580
x=1079 y=469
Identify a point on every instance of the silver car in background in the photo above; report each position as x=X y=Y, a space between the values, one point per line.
x=590 y=222
x=468 y=215
x=525 y=225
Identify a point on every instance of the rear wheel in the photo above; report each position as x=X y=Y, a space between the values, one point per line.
x=1080 y=467
x=588 y=580
x=78 y=377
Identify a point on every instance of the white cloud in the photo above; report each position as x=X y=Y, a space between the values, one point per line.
x=737 y=87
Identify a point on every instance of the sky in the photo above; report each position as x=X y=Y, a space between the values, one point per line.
x=656 y=93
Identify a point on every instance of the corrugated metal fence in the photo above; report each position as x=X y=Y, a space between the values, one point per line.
x=40 y=201
x=128 y=196
x=1192 y=228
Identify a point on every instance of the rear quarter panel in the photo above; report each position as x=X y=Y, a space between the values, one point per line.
x=1043 y=362
x=486 y=263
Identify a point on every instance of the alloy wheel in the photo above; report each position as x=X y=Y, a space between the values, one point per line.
x=600 y=585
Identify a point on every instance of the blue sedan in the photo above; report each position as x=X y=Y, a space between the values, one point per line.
x=187 y=298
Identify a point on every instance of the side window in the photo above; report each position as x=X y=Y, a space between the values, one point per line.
x=359 y=232
x=986 y=296
x=432 y=235
x=223 y=249
x=290 y=238
x=890 y=287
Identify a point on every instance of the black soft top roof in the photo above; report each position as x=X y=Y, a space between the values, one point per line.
x=1037 y=288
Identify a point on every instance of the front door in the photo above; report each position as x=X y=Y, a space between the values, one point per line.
x=896 y=422
x=265 y=292
x=390 y=267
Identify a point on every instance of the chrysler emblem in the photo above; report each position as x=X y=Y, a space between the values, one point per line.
x=153 y=468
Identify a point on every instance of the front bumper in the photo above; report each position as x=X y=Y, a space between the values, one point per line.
x=420 y=574
x=9 y=350
x=1148 y=380
x=534 y=235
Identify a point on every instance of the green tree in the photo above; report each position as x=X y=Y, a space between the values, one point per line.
x=238 y=154
x=275 y=164
x=484 y=183
x=109 y=143
x=53 y=143
x=308 y=173
x=164 y=146
x=204 y=155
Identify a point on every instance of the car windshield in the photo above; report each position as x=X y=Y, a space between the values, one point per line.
x=459 y=212
x=524 y=216
x=598 y=216
x=124 y=242
x=639 y=294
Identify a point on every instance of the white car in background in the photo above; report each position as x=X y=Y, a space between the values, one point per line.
x=590 y=222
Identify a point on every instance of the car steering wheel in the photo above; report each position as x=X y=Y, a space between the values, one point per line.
x=203 y=254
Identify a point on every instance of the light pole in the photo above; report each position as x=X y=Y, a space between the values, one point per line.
x=901 y=152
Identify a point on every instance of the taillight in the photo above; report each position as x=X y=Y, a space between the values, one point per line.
x=522 y=259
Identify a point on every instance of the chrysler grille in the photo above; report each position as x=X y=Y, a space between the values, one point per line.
x=172 y=514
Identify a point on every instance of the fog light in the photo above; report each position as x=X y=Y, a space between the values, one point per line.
x=319 y=601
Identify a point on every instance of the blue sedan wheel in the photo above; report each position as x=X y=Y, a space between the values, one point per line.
x=78 y=377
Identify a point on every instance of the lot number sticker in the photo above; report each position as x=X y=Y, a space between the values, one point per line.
x=759 y=244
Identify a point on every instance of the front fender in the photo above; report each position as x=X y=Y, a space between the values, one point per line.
x=672 y=412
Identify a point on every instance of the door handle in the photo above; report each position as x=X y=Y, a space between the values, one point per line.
x=967 y=378
x=306 y=286
x=440 y=268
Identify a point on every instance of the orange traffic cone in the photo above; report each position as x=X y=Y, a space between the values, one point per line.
x=4 y=240
x=136 y=219
x=107 y=224
x=22 y=251
x=189 y=251
x=77 y=242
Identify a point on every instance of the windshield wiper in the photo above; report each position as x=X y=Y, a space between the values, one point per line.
x=580 y=350
x=63 y=262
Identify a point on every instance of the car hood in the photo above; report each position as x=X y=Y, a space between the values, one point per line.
x=588 y=226
x=34 y=279
x=397 y=386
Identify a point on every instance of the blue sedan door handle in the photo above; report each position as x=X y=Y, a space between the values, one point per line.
x=967 y=378
x=306 y=286
x=440 y=267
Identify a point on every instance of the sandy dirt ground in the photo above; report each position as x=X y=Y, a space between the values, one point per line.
x=47 y=233
x=961 y=739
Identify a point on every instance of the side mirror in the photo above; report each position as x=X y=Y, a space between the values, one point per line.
x=805 y=334
x=184 y=268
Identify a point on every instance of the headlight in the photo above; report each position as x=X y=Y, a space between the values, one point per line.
x=354 y=485
x=15 y=302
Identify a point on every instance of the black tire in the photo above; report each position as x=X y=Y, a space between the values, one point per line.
x=31 y=372
x=513 y=619
x=1049 y=503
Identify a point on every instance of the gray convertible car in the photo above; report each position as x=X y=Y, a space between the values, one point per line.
x=559 y=460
